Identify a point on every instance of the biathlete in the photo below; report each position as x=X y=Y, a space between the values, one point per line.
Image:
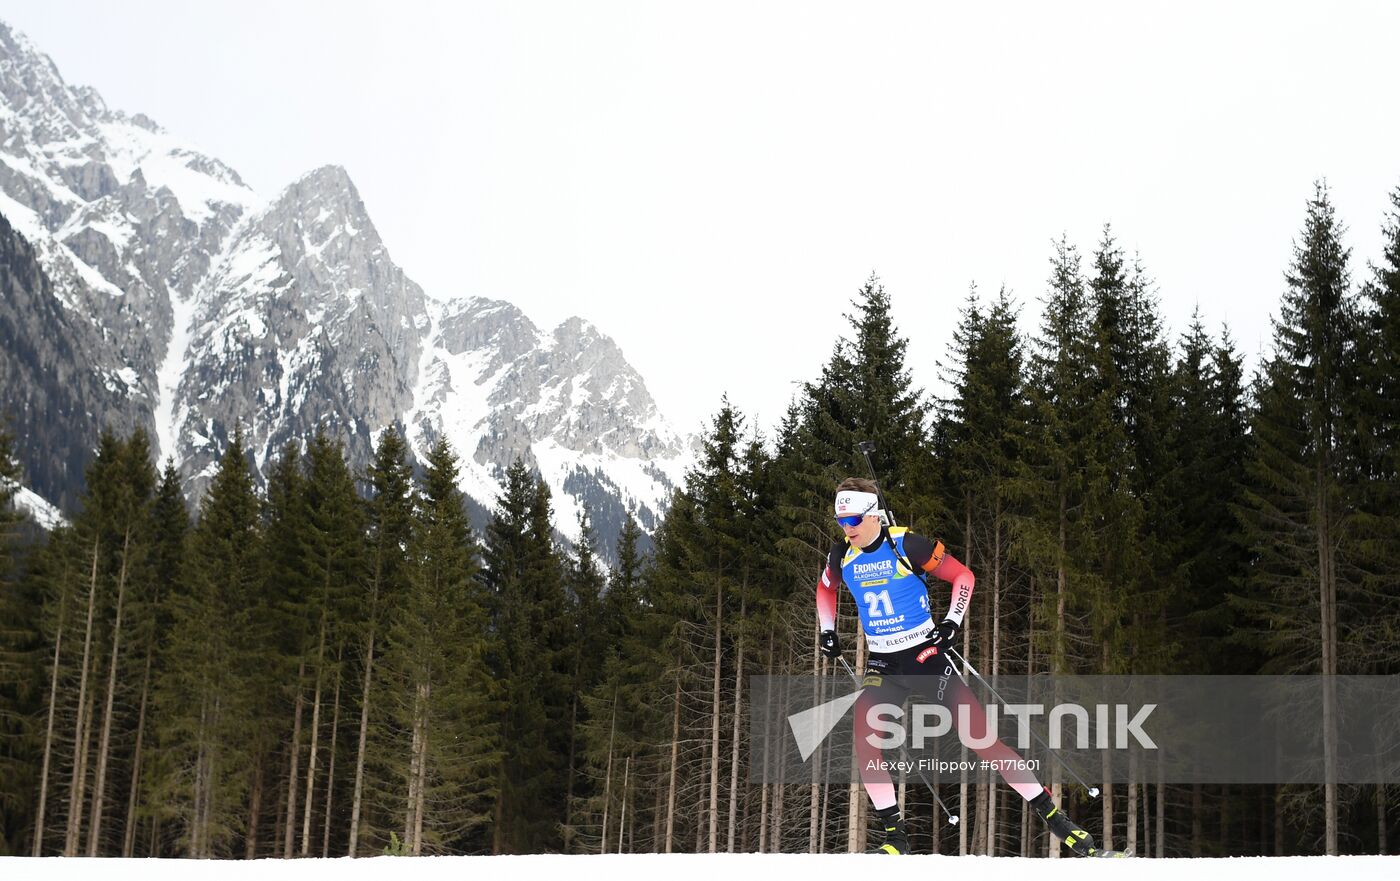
x=909 y=652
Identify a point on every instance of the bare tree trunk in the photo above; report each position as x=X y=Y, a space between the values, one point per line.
x=1057 y=661
x=1161 y=809
x=734 y=734
x=775 y=835
x=622 y=822
x=197 y=800
x=1225 y=819
x=75 y=786
x=79 y=795
x=1197 y=829
x=1106 y=773
x=250 y=852
x=38 y=847
x=1382 y=844
x=1132 y=832
x=714 y=722
x=1328 y=583
x=607 y=778
x=415 y=756
x=315 y=741
x=216 y=725
x=573 y=747
x=330 y=769
x=1026 y=827
x=656 y=823
x=419 y=808
x=129 y=840
x=1107 y=769
x=675 y=751
x=294 y=777
x=1146 y=818
x=99 y=789
x=355 y=804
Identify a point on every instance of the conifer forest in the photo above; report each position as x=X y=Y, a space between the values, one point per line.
x=341 y=663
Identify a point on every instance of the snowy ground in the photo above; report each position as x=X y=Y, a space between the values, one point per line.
x=692 y=867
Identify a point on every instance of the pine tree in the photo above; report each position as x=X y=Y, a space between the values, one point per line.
x=980 y=437
x=585 y=657
x=129 y=541
x=166 y=569
x=21 y=667
x=1303 y=475
x=205 y=692
x=866 y=392
x=1066 y=409
x=444 y=698
x=333 y=557
x=1378 y=431
x=525 y=578
x=390 y=519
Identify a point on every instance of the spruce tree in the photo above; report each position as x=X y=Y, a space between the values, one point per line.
x=524 y=575
x=1066 y=409
x=165 y=588
x=443 y=697
x=866 y=393
x=204 y=694
x=21 y=670
x=333 y=559
x=1378 y=509
x=287 y=592
x=389 y=513
x=1303 y=476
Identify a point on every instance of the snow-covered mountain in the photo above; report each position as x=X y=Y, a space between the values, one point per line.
x=145 y=284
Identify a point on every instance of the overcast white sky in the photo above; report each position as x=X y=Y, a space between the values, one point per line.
x=711 y=182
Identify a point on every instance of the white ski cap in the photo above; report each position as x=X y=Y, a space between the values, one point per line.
x=853 y=503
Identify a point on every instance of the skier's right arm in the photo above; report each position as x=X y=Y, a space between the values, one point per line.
x=826 y=600
x=826 y=611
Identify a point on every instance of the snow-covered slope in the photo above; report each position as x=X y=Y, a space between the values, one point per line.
x=150 y=287
x=36 y=508
x=705 y=867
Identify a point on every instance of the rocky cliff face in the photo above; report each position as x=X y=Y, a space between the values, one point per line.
x=302 y=322
x=144 y=284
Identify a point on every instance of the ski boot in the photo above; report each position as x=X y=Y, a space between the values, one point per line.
x=896 y=839
x=1079 y=842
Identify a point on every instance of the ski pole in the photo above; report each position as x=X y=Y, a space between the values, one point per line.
x=903 y=754
x=1093 y=790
